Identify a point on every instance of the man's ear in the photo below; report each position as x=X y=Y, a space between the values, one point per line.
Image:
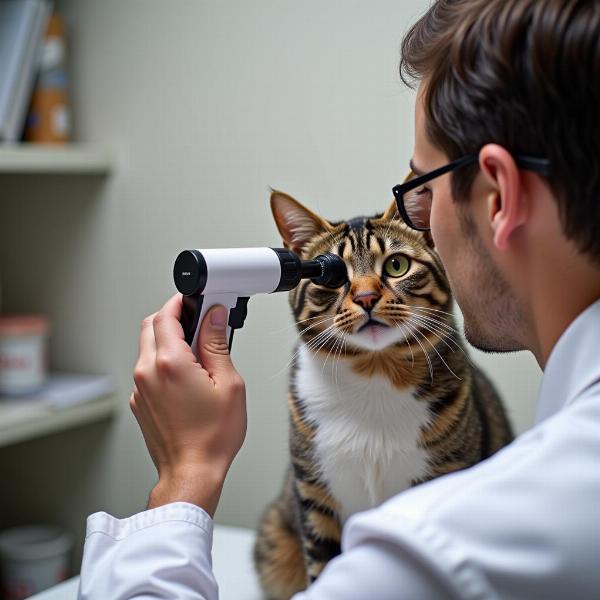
x=392 y=213
x=506 y=207
x=296 y=223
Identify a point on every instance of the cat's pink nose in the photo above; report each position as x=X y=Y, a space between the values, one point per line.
x=366 y=299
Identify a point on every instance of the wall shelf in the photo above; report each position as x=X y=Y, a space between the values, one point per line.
x=66 y=400
x=24 y=419
x=69 y=159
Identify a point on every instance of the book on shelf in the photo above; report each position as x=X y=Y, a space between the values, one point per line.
x=22 y=27
x=67 y=389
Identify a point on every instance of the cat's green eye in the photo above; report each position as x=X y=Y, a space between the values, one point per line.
x=396 y=265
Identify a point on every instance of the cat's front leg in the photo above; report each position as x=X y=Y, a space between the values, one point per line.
x=320 y=526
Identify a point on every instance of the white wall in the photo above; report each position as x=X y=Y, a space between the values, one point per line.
x=207 y=104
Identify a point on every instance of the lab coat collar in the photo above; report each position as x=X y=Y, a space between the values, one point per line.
x=573 y=365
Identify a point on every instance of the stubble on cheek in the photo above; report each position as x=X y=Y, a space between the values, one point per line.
x=491 y=313
x=480 y=290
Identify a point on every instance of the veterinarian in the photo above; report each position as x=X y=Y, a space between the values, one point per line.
x=512 y=89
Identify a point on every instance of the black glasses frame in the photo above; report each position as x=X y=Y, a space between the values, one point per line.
x=531 y=163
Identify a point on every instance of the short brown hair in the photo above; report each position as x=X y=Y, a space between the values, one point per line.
x=524 y=74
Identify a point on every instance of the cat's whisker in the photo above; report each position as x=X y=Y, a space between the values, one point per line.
x=323 y=335
x=440 y=326
x=435 y=326
x=396 y=214
x=300 y=333
x=337 y=346
x=337 y=364
x=315 y=341
x=410 y=330
x=294 y=324
x=434 y=319
x=444 y=339
x=427 y=316
x=323 y=320
x=329 y=353
x=432 y=309
x=309 y=346
x=436 y=351
x=291 y=361
x=319 y=335
x=309 y=319
x=286 y=366
x=440 y=335
x=315 y=350
x=412 y=356
x=331 y=350
x=446 y=335
x=405 y=313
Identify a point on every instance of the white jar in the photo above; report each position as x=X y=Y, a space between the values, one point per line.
x=23 y=362
x=33 y=558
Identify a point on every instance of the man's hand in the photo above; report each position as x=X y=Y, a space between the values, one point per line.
x=192 y=416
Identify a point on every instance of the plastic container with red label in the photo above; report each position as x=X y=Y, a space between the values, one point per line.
x=32 y=558
x=23 y=361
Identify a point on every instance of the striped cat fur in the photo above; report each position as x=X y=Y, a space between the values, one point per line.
x=382 y=393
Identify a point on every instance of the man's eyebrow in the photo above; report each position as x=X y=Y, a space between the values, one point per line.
x=415 y=169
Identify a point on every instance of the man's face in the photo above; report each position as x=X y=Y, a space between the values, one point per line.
x=463 y=239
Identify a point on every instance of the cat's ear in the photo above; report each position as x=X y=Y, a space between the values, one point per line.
x=296 y=223
x=392 y=213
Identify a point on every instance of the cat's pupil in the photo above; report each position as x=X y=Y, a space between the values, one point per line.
x=396 y=264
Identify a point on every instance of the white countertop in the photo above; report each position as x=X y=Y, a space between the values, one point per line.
x=232 y=564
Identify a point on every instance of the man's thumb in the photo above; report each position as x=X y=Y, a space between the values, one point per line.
x=213 y=347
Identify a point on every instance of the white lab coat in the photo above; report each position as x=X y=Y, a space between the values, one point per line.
x=524 y=524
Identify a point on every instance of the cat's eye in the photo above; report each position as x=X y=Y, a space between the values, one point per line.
x=396 y=265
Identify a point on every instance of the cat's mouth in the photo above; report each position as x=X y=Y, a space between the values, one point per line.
x=372 y=323
x=374 y=335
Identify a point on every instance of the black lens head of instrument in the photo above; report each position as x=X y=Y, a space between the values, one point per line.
x=333 y=270
x=190 y=272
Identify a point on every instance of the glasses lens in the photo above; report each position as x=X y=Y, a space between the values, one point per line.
x=417 y=204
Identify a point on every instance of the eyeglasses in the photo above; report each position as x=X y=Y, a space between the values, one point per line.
x=414 y=200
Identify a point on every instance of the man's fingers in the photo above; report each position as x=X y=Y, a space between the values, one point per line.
x=173 y=306
x=167 y=328
x=147 y=342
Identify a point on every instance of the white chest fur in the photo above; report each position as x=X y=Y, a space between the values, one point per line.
x=367 y=434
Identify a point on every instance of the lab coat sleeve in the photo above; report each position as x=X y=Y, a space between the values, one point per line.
x=380 y=569
x=164 y=552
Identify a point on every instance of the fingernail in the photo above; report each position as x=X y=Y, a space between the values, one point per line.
x=218 y=317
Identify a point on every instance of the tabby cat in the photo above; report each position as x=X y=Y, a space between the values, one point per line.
x=399 y=403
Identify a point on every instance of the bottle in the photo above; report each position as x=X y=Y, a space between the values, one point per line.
x=49 y=118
